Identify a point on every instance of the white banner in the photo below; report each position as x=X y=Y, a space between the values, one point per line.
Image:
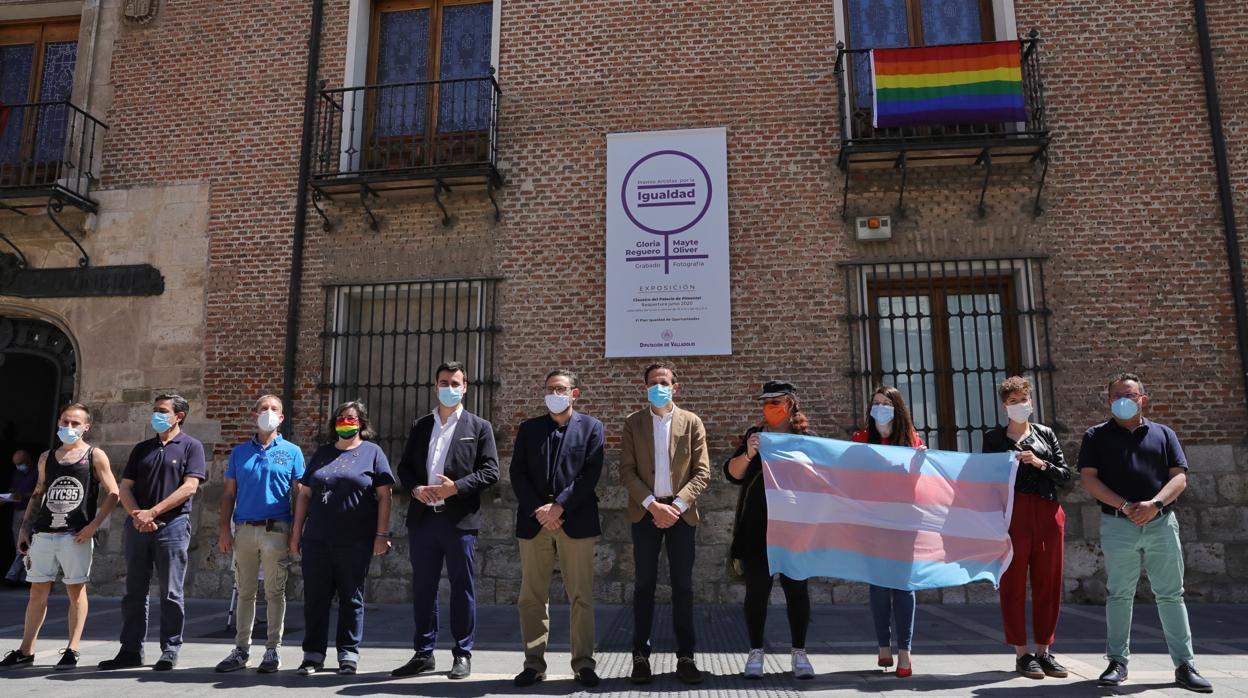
x=667 y=244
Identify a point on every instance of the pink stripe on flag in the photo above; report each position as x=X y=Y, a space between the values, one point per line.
x=877 y=486
x=885 y=543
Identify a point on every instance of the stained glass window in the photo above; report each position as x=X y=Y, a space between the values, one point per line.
x=951 y=22
x=15 y=69
x=402 y=57
x=465 y=106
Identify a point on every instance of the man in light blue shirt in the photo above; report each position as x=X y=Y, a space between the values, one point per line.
x=261 y=481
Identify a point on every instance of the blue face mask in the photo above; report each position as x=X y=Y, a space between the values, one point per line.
x=659 y=395
x=1125 y=408
x=68 y=435
x=450 y=397
x=162 y=422
x=882 y=414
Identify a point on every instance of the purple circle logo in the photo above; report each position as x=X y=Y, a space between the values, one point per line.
x=667 y=335
x=666 y=192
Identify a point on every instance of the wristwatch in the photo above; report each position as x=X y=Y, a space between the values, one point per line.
x=1159 y=504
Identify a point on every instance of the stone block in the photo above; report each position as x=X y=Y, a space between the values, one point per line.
x=1083 y=558
x=980 y=592
x=1236 y=556
x=1233 y=488
x=1091 y=516
x=388 y=590
x=854 y=592
x=1202 y=488
x=604 y=560
x=1205 y=558
x=1224 y=523
x=1210 y=458
x=953 y=595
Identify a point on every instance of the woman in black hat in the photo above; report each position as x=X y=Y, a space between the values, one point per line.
x=749 y=535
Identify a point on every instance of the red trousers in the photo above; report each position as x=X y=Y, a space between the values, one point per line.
x=1038 y=532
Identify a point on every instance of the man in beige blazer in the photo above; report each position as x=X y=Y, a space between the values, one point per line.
x=665 y=466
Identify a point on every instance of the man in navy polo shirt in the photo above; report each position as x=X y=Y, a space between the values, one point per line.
x=1136 y=469
x=160 y=479
x=261 y=478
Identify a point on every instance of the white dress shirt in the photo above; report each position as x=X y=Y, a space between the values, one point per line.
x=440 y=445
x=663 y=486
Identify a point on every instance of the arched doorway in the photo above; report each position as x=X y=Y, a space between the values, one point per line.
x=37 y=367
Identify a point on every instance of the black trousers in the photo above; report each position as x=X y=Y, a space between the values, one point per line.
x=648 y=540
x=758 y=583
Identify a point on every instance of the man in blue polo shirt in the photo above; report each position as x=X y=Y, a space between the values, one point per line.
x=260 y=479
x=160 y=479
x=1136 y=469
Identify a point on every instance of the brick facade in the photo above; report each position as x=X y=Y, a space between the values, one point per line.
x=211 y=93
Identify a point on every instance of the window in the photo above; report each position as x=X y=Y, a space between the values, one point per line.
x=383 y=343
x=946 y=333
x=36 y=78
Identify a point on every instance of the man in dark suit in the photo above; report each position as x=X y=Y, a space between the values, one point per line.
x=450 y=459
x=555 y=466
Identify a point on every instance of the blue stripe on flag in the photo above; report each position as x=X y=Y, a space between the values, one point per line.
x=893 y=574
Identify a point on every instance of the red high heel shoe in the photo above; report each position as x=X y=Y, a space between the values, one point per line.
x=885 y=662
x=904 y=673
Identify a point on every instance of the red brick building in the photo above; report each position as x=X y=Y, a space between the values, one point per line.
x=457 y=152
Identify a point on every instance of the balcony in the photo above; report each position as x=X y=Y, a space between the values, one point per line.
x=865 y=147
x=47 y=156
x=379 y=139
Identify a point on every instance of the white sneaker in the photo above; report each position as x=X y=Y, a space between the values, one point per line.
x=801 y=666
x=754 y=664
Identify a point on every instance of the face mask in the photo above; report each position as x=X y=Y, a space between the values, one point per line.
x=347 y=427
x=558 y=404
x=775 y=414
x=22 y=467
x=68 y=435
x=1125 y=408
x=268 y=421
x=659 y=395
x=1018 y=412
x=882 y=414
x=450 y=397
x=162 y=422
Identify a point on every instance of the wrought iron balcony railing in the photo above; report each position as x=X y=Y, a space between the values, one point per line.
x=47 y=149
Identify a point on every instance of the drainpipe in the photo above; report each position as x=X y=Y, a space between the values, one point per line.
x=1225 y=193
x=301 y=218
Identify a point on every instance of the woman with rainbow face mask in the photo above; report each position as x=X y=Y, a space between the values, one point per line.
x=341 y=521
x=889 y=424
x=749 y=534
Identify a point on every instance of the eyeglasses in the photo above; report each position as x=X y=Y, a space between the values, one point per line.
x=1130 y=396
x=559 y=390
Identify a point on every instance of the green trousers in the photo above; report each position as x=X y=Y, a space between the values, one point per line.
x=1157 y=543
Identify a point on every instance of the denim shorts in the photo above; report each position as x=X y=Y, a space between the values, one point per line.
x=50 y=551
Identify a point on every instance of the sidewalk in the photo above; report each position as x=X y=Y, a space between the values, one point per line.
x=958 y=652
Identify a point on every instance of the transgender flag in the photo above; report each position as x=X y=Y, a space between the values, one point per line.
x=887 y=515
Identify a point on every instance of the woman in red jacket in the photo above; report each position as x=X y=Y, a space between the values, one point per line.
x=889 y=424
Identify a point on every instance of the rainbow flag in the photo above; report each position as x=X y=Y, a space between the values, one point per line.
x=947 y=85
x=887 y=515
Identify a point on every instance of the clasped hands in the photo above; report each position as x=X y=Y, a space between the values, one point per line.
x=1140 y=513
x=144 y=520
x=665 y=515
x=550 y=516
x=431 y=494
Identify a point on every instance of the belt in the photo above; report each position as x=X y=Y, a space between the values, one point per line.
x=1110 y=511
x=267 y=523
x=665 y=500
x=437 y=508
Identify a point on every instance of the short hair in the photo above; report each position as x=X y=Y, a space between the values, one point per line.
x=179 y=403
x=572 y=379
x=262 y=398
x=1126 y=376
x=1013 y=384
x=451 y=367
x=645 y=376
x=77 y=406
x=366 y=425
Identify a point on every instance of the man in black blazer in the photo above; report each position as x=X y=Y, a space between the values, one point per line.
x=555 y=466
x=449 y=460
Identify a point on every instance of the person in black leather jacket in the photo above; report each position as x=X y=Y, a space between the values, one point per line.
x=1037 y=530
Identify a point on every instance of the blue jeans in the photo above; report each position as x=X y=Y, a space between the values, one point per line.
x=164 y=549
x=896 y=608
x=432 y=542
x=647 y=542
x=331 y=570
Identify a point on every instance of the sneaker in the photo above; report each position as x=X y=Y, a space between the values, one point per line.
x=237 y=660
x=754 y=665
x=641 y=670
x=272 y=661
x=587 y=677
x=801 y=666
x=418 y=664
x=1029 y=666
x=123 y=660
x=14 y=659
x=687 y=670
x=347 y=667
x=1113 y=675
x=1187 y=677
x=1051 y=666
x=527 y=678
x=168 y=660
x=69 y=660
x=309 y=667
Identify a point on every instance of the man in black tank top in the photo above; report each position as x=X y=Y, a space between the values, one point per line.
x=58 y=529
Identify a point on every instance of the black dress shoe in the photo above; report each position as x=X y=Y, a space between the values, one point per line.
x=461 y=668
x=418 y=664
x=527 y=678
x=1113 y=675
x=1029 y=666
x=123 y=660
x=641 y=670
x=1187 y=677
x=1052 y=668
x=687 y=670
x=587 y=677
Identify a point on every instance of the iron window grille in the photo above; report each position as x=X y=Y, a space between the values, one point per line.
x=383 y=342
x=946 y=333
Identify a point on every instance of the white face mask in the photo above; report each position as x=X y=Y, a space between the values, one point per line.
x=558 y=404
x=268 y=421
x=1019 y=412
